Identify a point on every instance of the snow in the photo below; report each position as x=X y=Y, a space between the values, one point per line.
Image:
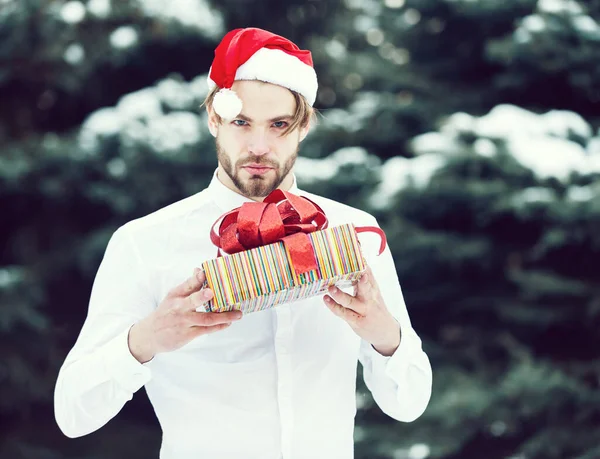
x=539 y=142
x=10 y=275
x=399 y=172
x=419 y=451
x=309 y=170
x=562 y=122
x=507 y=120
x=142 y=104
x=400 y=56
x=498 y=428
x=521 y=35
x=72 y=12
x=173 y=131
x=585 y=23
x=412 y=16
x=74 y=54
x=117 y=167
x=485 y=148
x=593 y=147
x=559 y=6
x=434 y=142
x=353 y=155
x=549 y=144
x=459 y=123
x=549 y=157
x=199 y=87
x=101 y=123
x=335 y=49
x=365 y=106
x=363 y=23
x=139 y=117
x=123 y=37
x=190 y=13
x=582 y=193
x=175 y=94
x=534 y=23
x=394 y=3
x=99 y=8
x=105 y=121
x=534 y=194
x=375 y=36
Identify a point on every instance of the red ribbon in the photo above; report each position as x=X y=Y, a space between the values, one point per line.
x=282 y=216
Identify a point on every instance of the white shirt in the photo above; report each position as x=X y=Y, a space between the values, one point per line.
x=279 y=383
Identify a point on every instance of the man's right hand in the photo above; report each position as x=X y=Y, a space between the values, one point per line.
x=175 y=322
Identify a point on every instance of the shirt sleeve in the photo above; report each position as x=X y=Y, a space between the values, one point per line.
x=400 y=383
x=99 y=374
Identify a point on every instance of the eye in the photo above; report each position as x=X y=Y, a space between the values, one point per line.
x=239 y=123
x=280 y=124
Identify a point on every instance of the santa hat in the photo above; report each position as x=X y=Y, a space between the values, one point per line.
x=255 y=54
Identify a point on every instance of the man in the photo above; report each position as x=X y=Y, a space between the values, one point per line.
x=275 y=384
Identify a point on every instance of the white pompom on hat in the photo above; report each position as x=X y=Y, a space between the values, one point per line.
x=256 y=54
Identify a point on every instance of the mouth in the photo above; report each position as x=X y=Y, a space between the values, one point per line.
x=257 y=169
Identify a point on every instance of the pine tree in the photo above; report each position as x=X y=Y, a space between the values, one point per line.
x=434 y=117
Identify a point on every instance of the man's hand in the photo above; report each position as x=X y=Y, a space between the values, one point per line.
x=366 y=313
x=175 y=321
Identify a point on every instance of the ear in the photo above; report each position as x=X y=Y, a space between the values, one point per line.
x=213 y=122
x=304 y=131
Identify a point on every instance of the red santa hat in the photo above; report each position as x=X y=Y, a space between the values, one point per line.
x=256 y=54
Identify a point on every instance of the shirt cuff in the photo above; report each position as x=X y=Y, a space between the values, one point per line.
x=122 y=366
x=396 y=363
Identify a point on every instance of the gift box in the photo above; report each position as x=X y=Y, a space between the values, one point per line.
x=279 y=251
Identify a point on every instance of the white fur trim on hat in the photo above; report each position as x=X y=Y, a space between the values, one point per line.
x=277 y=67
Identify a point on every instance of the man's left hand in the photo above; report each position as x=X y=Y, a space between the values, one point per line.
x=366 y=313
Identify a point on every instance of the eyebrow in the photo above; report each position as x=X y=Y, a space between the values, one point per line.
x=272 y=120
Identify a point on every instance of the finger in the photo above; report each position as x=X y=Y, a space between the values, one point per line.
x=210 y=319
x=354 y=287
x=347 y=301
x=366 y=278
x=347 y=314
x=190 y=285
x=199 y=299
x=366 y=285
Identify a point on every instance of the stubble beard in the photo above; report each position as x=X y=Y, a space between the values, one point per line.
x=257 y=186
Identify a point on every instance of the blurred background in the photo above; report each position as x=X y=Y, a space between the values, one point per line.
x=470 y=128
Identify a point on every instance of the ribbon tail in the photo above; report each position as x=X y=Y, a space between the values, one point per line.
x=301 y=252
x=377 y=230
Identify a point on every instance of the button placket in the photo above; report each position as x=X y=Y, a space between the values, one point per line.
x=283 y=341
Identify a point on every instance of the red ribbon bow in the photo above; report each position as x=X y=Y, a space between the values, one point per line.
x=282 y=216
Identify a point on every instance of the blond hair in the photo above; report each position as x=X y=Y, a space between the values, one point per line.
x=301 y=117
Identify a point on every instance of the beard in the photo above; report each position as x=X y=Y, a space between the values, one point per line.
x=257 y=186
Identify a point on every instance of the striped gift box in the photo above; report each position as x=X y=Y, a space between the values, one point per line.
x=264 y=277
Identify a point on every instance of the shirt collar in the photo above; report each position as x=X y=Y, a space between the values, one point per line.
x=228 y=199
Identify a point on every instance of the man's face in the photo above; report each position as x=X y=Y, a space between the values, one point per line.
x=253 y=155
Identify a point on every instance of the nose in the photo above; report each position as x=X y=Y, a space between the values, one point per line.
x=259 y=143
